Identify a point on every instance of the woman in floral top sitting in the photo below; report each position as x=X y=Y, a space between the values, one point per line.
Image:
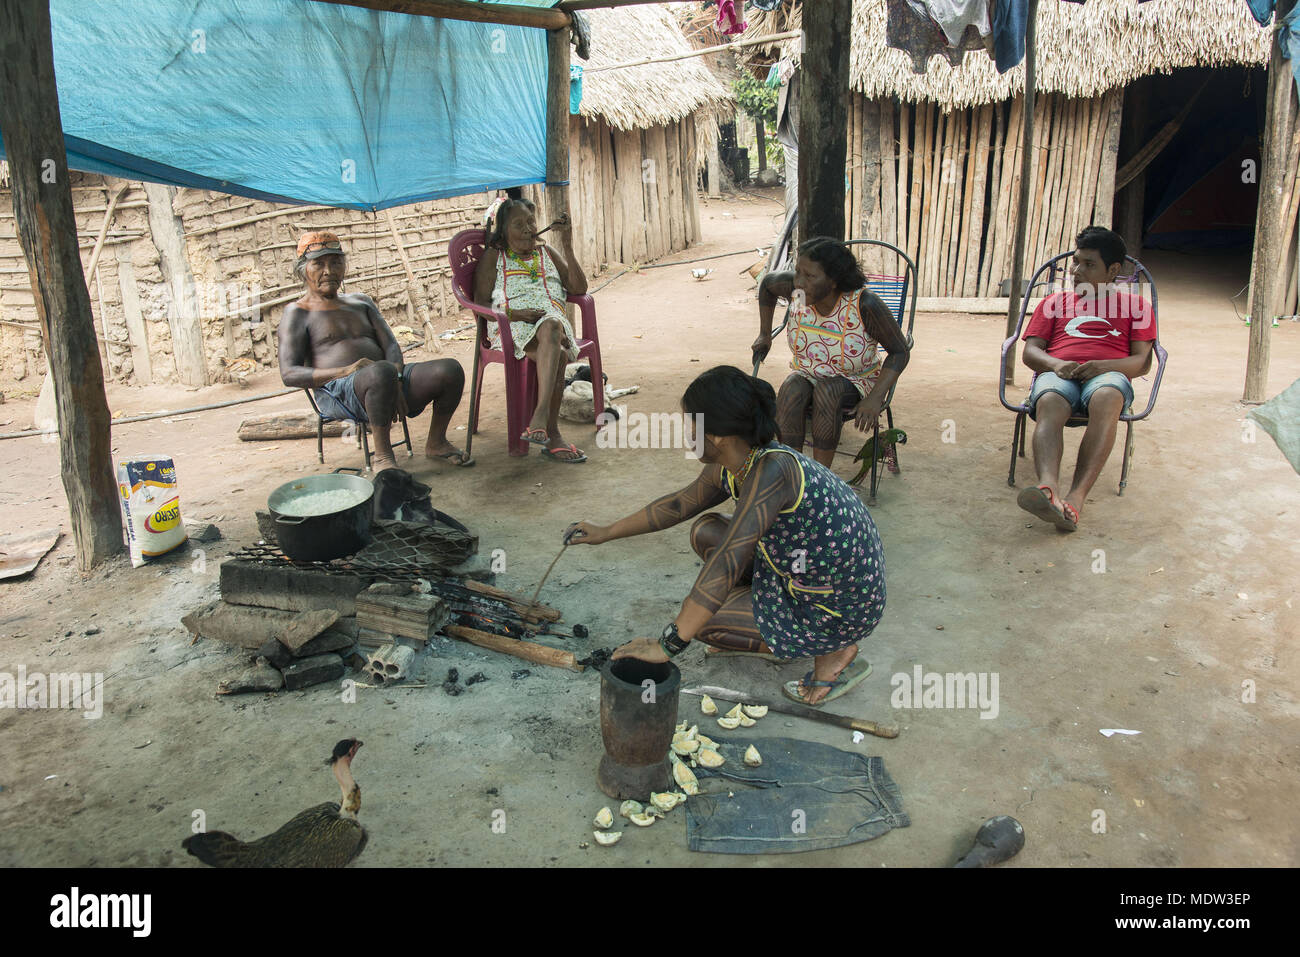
x=529 y=281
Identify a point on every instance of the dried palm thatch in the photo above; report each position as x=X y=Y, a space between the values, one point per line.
x=636 y=97
x=1082 y=50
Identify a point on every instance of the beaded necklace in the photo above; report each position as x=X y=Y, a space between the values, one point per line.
x=740 y=476
x=533 y=263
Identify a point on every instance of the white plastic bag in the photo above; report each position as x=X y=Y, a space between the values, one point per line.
x=151 y=507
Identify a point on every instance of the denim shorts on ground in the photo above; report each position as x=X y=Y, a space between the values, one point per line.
x=1078 y=394
x=337 y=399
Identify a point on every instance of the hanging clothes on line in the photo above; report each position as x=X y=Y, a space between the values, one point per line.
x=729 y=19
x=1010 y=17
x=913 y=28
x=954 y=16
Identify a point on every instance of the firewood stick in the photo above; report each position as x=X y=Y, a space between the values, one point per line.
x=527 y=650
x=533 y=602
x=537 y=612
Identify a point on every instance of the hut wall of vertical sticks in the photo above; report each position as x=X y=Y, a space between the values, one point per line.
x=634 y=146
x=934 y=158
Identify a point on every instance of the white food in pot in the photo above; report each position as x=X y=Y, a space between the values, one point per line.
x=323 y=503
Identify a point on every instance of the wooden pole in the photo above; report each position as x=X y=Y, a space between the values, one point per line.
x=1270 y=244
x=1022 y=217
x=823 y=117
x=182 y=308
x=1103 y=210
x=47 y=229
x=702 y=51
x=509 y=14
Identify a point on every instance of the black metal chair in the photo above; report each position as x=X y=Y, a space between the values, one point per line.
x=362 y=427
x=1055 y=272
x=895 y=292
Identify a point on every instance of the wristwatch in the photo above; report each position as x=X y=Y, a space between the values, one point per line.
x=671 y=642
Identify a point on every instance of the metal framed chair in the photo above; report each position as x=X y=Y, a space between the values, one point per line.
x=362 y=427
x=1055 y=271
x=465 y=251
x=896 y=292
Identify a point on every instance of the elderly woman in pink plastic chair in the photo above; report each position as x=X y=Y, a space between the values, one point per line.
x=529 y=281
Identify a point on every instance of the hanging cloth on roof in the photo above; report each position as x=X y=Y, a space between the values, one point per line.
x=912 y=28
x=729 y=20
x=1262 y=10
x=1010 y=18
x=766 y=5
x=575 y=87
x=1288 y=35
x=581 y=38
x=954 y=16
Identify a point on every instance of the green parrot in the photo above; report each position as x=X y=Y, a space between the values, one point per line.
x=870 y=449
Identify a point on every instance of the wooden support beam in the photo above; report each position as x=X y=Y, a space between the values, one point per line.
x=557 y=123
x=1130 y=196
x=823 y=117
x=32 y=128
x=509 y=14
x=182 y=303
x=1022 y=216
x=1270 y=244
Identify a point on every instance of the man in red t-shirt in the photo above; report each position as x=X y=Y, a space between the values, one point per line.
x=1085 y=343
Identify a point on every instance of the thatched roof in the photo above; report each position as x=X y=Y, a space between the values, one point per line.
x=640 y=96
x=1082 y=50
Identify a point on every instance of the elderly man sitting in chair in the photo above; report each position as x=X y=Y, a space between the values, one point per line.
x=339 y=346
x=1085 y=343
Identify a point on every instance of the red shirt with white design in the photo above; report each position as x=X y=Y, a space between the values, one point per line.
x=1079 y=330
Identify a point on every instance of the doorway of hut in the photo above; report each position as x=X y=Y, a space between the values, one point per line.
x=1189 y=212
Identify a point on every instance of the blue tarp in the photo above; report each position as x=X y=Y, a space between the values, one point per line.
x=291 y=101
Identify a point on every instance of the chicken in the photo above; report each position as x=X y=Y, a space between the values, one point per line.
x=327 y=835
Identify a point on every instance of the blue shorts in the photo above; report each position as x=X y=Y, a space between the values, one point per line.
x=1079 y=394
x=337 y=399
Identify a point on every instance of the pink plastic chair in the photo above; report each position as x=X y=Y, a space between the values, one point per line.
x=465 y=251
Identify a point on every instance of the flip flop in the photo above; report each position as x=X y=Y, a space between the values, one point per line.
x=1070 y=516
x=464 y=463
x=1040 y=502
x=580 y=455
x=849 y=677
x=531 y=435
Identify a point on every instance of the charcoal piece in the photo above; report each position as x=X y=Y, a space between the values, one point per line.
x=475 y=678
x=453 y=675
x=452 y=688
x=580 y=631
x=597 y=658
x=521 y=673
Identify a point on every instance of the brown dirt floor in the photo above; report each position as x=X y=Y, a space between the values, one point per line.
x=1201 y=562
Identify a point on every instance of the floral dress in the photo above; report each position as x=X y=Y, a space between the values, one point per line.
x=819 y=570
x=531 y=283
x=823 y=347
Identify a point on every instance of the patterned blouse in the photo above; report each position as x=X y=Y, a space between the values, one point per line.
x=824 y=347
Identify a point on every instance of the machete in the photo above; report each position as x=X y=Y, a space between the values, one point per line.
x=798 y=710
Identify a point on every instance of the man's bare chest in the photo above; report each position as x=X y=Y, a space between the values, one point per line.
x=326 y=328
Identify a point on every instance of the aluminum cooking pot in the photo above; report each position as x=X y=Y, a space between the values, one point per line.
x=320 y=538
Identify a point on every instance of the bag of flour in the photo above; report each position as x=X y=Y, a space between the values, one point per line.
x=151 y=507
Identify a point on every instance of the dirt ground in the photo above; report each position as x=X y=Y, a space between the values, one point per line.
x=1195 y=604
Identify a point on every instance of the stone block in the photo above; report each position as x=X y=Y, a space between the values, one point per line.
x=305 y=672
